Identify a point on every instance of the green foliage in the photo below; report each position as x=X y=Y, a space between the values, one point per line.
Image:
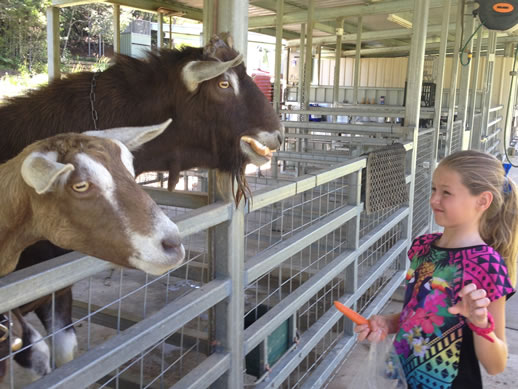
x=23 y=33
x=85 y=31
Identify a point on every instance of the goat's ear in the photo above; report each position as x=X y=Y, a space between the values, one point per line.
x=41 y=170
x=132 y=137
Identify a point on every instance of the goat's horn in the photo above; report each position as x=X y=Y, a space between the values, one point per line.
x=41 y=170
x=196 y=72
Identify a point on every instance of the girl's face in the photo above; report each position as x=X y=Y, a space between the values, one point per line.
x=452 y=203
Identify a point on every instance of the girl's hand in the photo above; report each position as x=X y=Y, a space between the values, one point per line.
x=473 y=305
x=375 y=331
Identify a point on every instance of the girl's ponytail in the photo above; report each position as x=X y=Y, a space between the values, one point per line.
x=500 y=230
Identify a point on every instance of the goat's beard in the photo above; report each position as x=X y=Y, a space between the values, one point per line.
x=238 y=175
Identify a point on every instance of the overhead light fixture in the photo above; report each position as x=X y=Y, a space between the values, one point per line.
x=399 y=20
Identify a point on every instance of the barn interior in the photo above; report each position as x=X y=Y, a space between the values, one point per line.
x=372 y=94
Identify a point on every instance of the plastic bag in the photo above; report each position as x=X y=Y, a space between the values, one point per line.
x=382 y=369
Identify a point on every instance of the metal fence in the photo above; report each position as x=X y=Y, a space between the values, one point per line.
x=274 y=267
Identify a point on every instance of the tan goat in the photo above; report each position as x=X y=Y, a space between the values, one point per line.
x=78 y=191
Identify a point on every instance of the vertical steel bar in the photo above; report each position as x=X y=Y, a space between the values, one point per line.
x=160 y=32
x=509 y=109
x=357 y=60
x=440 y=79
x=302 y=49
x=319 y=66
x=454 y=77
x=474 y=88
x=208 y=20
x=338 y=58
x=53 y=43
x=287 y=72
x=308 y=63
x=301 y=90
x=414 y=89
x=228 y=238
x=116 y=28
x=278 y=56
x=488 y=88
x=465 y=76
x=229 y=263
x=232 y=16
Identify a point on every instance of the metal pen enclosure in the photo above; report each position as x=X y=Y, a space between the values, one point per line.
x=307 y=242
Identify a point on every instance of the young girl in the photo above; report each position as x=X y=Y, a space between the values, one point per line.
x=458 y=281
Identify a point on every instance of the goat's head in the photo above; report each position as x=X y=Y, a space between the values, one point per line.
x=84 y=197
x=223 y=99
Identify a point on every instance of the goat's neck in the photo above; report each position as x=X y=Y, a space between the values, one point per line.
x=16 y=232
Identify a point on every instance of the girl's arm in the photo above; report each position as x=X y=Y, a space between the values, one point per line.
x=474 y=306
x=493 y=356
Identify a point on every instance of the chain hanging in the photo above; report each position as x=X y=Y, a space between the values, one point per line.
x=95 y=116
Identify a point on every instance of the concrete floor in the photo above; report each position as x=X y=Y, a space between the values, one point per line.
x=506 y=380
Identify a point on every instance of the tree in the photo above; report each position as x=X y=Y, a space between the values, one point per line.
x=23 y=34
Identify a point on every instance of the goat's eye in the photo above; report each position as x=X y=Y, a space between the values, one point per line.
x=81 y=187
x=224 y=84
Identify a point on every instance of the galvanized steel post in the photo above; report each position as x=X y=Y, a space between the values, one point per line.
x=338 y=58
x=465 y=76
x=488 y=90
x=308 y=63
x=228 y=257
x=510 y=109
x=414 y=89
x=53 y=43
x=440 y=80
x=357 y=60
x=474 y=89
x=228 y=238
x=208 y=20
x=302 y=49
x=454 y=77
x=116 y=28
x=278 y=57
x=233 y=17
x=160 y=31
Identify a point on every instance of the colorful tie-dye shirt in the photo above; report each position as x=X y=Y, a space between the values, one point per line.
x=430 y=339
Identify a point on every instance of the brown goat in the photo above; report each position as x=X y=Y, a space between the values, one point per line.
x=206 y=91
x=74 y=190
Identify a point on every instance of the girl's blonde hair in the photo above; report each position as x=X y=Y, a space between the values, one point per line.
x=481 y=172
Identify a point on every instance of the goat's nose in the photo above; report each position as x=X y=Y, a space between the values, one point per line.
x=171 y=245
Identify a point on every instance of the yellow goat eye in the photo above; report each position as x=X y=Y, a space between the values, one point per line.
x=224 y=84
x=81 y=187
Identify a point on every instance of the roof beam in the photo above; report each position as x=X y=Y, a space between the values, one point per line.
x=434 y=46
x=144 y=5
x=372 y=35
x=346 y=11
x=271 y=5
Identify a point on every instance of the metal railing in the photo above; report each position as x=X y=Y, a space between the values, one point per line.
x=307 y=242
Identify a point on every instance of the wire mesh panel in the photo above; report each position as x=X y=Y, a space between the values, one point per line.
x=279 y=221
x=456 y=136
x=423 y=181
x=110 y=302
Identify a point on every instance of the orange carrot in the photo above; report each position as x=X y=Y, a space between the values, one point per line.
x=354 y=316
